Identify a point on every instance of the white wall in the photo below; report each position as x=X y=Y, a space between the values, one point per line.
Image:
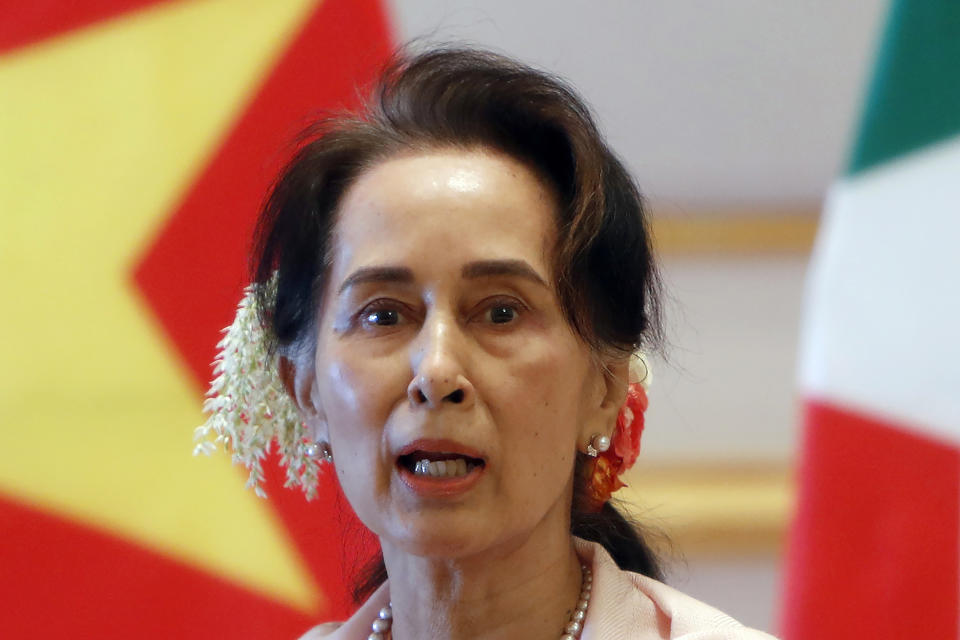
x=727 y=390
x=732 y=101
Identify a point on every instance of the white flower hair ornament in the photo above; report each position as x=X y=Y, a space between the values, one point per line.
x=248 y=407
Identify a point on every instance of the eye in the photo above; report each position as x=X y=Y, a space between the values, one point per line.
x=382 y=317
x=502 y=311
x=381 y=313
x=501 y=314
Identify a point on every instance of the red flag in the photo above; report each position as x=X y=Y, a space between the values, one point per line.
x=139 y=139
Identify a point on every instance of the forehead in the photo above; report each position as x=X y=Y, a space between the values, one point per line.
x=445 y=207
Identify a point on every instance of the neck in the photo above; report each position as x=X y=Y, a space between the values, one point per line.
x=523 y=588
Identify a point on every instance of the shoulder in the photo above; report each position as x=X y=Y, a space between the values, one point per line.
x=689 y=618
x=321 y=631
x=629 y=606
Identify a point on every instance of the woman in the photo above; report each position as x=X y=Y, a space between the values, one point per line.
x=452 y=283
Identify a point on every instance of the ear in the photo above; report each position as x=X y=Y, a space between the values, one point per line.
x=609 y=392
x=300 y=380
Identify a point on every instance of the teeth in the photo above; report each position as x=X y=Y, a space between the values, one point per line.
x=443 y=468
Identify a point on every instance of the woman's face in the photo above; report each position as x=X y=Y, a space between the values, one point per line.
x=441 y=338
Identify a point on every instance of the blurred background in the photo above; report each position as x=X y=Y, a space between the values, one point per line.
x=137 y=138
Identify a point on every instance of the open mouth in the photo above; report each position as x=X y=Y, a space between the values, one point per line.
x=438 y=464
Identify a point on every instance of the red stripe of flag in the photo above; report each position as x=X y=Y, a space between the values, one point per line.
x=874 y=550
x=65 y=580
x=23 y=22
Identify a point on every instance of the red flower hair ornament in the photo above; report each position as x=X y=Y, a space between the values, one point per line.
x=604 y=471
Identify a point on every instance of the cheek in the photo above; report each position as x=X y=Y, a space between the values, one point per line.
x=353 y=382
x=357 y=395
x=544 y=383
x=540 y=461
x=539 y=417
x=343 y=388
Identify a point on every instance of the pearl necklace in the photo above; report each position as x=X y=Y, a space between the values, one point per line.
x=381 y=626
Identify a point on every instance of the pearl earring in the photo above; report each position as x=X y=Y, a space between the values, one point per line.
x=598 y=444
x=312 y=449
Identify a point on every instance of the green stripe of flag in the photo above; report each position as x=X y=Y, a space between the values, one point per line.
x=914 y=98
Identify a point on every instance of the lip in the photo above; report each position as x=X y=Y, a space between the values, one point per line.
x=434 y=487
x=433 y=445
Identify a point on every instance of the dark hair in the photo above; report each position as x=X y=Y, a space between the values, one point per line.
x=605 y=274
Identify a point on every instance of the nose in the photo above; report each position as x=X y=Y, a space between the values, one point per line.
x=439 y=376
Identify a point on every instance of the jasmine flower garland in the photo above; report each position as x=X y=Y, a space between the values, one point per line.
x=248 y=407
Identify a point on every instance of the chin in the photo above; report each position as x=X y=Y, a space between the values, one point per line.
x=442 y=536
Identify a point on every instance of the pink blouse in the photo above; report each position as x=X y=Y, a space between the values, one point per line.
x=623 y=606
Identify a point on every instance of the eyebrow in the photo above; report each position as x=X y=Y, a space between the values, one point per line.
x=486 y=268
x=377 y=274
x=471 y=271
